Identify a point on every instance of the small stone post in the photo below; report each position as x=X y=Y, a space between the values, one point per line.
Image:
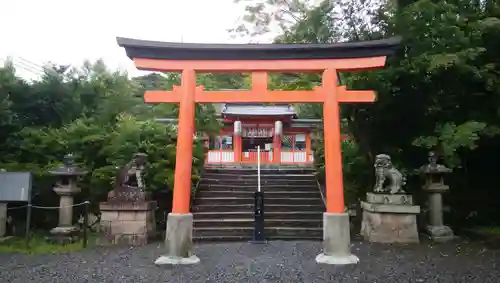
x=435 y=187
x=3 y=219
x=66 y=188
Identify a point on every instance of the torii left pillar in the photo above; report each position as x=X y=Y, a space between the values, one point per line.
x=179 y=234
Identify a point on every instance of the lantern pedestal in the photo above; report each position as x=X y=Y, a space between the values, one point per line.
x=65 y=232
x=436 y=230
x=66 y=188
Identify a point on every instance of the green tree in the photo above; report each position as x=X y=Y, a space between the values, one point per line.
x=439 y=91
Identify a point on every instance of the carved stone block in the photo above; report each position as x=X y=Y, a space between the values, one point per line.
x=389 y=198
x=131 y=223
x=389 y=220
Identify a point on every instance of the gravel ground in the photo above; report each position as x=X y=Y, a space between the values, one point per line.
x=275 y=262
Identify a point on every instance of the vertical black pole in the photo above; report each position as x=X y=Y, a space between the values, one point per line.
x=85 y=222
x=28 y=224
x=258 y=231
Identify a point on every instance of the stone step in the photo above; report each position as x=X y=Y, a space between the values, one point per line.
x=229 y=181
x=249 y=207
x=227 y=238
x=216 y=239
x=268 y=215
x=269 y=232
x=264 y=187
x=250 y=194
x=254 y=176
x=249 y=222
x=250 y=200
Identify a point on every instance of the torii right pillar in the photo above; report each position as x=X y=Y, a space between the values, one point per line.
x=336 y=227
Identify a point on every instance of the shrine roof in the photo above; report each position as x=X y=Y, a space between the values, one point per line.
x=136 y=48
x=258 y=110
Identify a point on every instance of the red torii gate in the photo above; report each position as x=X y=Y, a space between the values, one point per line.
x=258 y=59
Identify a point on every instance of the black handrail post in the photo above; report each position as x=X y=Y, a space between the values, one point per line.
x=258 y=230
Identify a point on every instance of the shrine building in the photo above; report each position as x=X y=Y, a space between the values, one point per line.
x=283 y=139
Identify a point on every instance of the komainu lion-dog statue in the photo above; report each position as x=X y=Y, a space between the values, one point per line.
x=385 y=171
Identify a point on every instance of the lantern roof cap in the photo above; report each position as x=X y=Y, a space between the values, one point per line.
x=69 y=168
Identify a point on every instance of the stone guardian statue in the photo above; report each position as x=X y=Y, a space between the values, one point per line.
x=389 y=215
x=128 y=215
x=385 y=172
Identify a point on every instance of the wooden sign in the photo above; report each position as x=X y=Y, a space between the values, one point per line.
x=257 y=132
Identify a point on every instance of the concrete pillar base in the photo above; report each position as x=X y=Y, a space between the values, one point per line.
x=171 y=260
x=178 y=241
x=336 y=240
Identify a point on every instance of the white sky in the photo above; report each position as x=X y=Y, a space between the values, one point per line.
x=68 y=32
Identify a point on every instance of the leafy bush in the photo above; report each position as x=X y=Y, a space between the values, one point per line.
x=100 y=118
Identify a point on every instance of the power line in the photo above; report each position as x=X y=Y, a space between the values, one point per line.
x=44 y=68
x=29 y=63
x=25 y=66
x=30 y=70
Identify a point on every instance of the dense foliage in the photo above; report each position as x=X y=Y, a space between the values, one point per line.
x=440 y=91
x=97 y=115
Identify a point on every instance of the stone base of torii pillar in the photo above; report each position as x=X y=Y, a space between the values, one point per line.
x=336 y=240
x=178 y=241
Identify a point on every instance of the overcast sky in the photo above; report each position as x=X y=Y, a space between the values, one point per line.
x=68 y=32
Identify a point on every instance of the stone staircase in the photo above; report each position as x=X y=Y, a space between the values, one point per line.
x=223 y=205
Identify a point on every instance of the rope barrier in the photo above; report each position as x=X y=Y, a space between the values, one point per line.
x=49 y=207
x=29 y=207
x=18 y=207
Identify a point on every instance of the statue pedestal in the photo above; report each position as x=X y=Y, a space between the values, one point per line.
x=389 y=218
x=128 y=222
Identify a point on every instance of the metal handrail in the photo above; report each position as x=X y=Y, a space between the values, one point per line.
x=258 y=168
x=320 y=188
x=193 y=192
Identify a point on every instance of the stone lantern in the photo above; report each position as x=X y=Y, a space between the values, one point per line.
x=434 y=186
x=66 y=188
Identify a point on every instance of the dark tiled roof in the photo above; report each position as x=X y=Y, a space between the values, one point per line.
x=258 y=110
x=200 y=51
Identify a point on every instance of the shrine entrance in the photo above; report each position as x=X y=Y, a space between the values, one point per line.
x=259 y=59
x=249 y=149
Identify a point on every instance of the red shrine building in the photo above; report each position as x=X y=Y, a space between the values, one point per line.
x=282 y=138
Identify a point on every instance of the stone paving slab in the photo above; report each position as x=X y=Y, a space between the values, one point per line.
x=278 y=261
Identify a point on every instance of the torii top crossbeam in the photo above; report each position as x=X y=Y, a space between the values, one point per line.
x=270 y=57
x=258 y=59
